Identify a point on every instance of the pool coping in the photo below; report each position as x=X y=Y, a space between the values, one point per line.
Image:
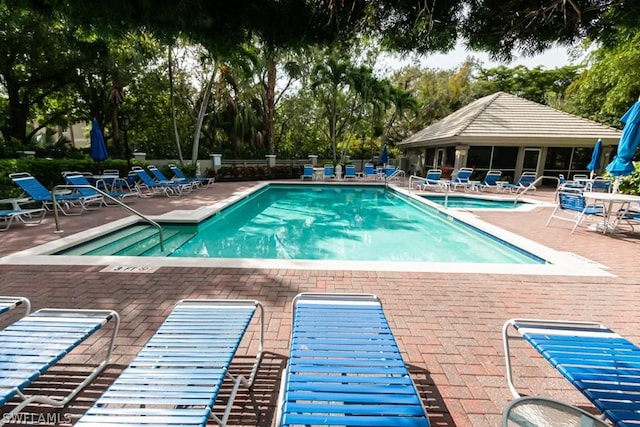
x=559 y=263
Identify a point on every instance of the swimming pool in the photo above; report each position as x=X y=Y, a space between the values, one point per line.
x=320 y=222
x=546 y=260
x=465 y=202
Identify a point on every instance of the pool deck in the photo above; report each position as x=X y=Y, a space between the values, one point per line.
x=448 y=325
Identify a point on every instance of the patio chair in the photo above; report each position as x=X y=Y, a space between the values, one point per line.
x=328 y=172
x=201 y=181
x=74 y=179
x=599 y=363
x=573 y=207
x=538 y=411
x=307 y=172
x=345 y=367
x=599 y=184
x=66 y=203
x=36 y=342
x=159 y=177
x=491 y=181
x=27 y=216
x=175 y=379
x=350 y=172
x=8 y=303
x=525 y=181
x=149 y=187
x=432 y=181
x=462 y=179
x=369 y=171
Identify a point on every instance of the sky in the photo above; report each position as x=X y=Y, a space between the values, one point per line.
x=552 y=58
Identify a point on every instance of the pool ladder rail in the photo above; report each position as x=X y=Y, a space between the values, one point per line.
x=102 y=193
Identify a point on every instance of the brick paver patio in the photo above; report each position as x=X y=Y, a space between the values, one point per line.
x=447 y=325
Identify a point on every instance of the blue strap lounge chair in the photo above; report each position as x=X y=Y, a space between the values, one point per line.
x=187 y=185
x=370 y=171
x=345 y=367
x=307 y=172
x=149 y=187
x=432 y=181
x=573 y=206
x=462 y=179
x=491 y=181
x=202 y=181
x=328 y=172
x=67 y=203
x=350 y=172
x=73 y=178
x=8 y=303
x=175 y=379
x=601 y=364
x=36 y=342
x=525 y=181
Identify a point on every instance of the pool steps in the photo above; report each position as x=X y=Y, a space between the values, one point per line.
x=137 y=240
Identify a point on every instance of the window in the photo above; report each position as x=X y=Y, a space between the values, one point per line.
x=504 y=158
x=479 y=157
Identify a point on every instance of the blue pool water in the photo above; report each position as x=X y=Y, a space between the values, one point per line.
x=461 y=202
x=318 y=222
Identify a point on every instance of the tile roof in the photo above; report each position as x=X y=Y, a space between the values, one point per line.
x=502 y=117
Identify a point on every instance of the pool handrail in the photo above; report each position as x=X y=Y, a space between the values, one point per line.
x=533 y=185
x=130 y=209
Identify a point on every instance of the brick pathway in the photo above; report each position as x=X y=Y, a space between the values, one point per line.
x=447 y=325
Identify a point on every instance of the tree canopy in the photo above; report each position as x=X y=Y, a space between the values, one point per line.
x=497 y=26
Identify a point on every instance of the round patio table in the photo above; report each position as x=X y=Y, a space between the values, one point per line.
x=536 y=411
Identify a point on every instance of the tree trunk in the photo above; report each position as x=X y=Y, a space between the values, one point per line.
x=173 y=109
x=201 y=113
x=270 y=105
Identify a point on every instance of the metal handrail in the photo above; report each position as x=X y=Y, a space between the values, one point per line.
x=130 y=209
x=533 y=185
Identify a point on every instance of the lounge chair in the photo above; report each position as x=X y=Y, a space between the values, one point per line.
x=149 y=187
x=75 y=179
x=159 y=177
x=601 y=364
x=27 y=216
x=350 y=172
x=491 y=181
x=345 y=367
x=9 y=303
x=36 y=342
x=391 y=172
x=66 y=203
x=307 y=172
x=432 y=181
x=533 y=411
x=369 y=171
x=202 y=181
x=462 y=179
x=573 y=207
x=175 y=379
x=599 y=185
x=525 y=181
x=328 y=172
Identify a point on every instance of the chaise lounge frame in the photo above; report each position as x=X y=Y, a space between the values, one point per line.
x=36 y=342
x=602 y=365
x=175 y=379
x=345 y=367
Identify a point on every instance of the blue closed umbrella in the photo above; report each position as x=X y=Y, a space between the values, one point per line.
x=384 y=159
x=594 y=164
x=98 y=147
x=629 y=141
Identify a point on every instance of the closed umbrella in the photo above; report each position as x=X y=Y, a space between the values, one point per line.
x=384 y=159
x=98 y=147
x=594 y=164
x=629 y=141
